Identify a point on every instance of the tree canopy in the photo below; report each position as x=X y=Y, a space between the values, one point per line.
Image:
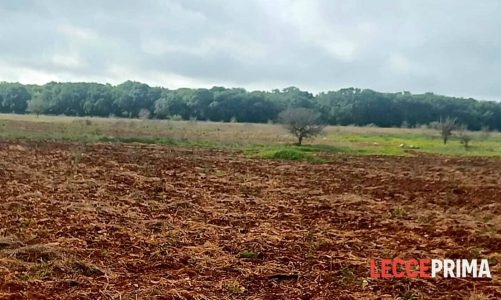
x=343 y=107
x=301 y=122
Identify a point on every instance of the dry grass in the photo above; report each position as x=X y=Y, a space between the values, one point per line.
x=266 y=138
x=477 y=296
x=36 y=253
x=9 y=242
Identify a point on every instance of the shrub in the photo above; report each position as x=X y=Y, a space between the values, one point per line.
x=144 y=114
x=176 y=118
x=286 y=154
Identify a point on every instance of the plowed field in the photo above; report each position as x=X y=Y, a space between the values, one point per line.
x=115 y=221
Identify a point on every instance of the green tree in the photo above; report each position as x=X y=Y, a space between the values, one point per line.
x=36 y=105
x=171 y=104
x=130 y=97
x=14 y=98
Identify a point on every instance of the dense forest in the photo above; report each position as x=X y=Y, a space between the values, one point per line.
x=344 y=107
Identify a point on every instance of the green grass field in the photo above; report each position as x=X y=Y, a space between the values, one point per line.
x=260 y=140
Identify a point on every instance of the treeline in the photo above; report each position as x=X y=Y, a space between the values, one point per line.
x=344 y=107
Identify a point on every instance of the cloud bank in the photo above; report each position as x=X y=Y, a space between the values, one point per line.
x=450 y=47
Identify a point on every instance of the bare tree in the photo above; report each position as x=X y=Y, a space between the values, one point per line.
x=464 y=136
x=301 y=122
x=485 y=132
x=445 y=127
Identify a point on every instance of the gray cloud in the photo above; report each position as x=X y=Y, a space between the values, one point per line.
x=450 y=46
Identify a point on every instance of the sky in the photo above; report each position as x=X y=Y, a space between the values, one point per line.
x=450 y=47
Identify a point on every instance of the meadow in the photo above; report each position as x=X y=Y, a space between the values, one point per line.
x=143 y=209
x=263 y=140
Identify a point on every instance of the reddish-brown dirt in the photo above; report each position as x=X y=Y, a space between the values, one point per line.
x=114 y=221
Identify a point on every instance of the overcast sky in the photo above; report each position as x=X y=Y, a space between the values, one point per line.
x=449 y=47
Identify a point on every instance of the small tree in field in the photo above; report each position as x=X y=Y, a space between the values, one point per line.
x=144 y=114
x=445 y=127
x=36 y=105
x=301 y=122
x=463 y=135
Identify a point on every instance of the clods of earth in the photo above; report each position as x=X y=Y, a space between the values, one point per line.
x=122 y=221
